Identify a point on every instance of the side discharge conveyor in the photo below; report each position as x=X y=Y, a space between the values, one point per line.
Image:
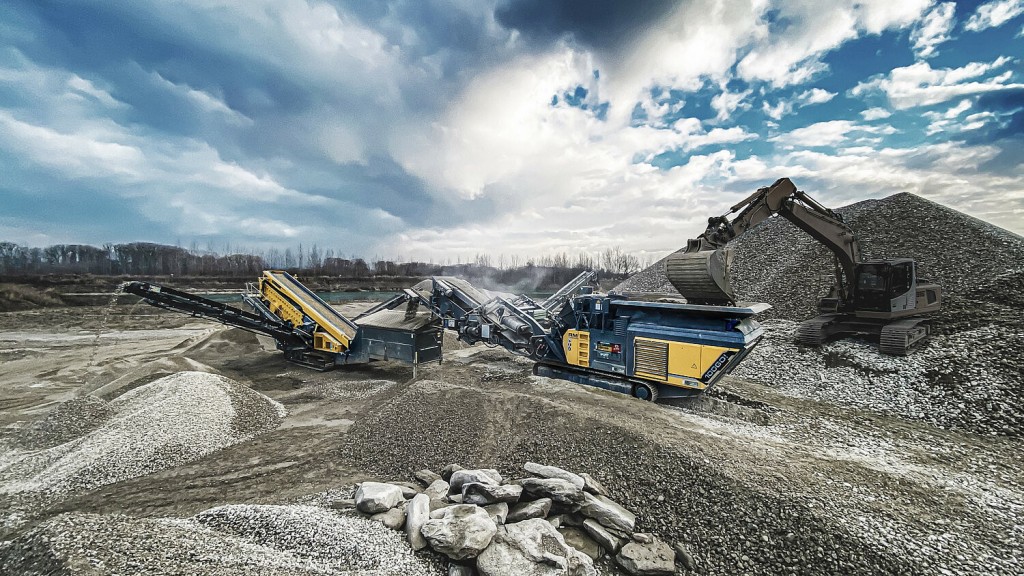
x=644 y=349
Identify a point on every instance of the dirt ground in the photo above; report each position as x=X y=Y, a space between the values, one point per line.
x=752 y=481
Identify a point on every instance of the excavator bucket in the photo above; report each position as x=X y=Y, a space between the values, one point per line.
x=702 y=277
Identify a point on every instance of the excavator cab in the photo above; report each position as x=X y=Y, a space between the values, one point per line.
x=886 y=286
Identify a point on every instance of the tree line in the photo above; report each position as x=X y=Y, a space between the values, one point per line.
x=149 y=259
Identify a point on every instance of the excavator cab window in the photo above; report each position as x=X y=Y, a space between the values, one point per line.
x=902 y=278
x=872 y=277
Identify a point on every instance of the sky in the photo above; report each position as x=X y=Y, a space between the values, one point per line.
x=441 y=129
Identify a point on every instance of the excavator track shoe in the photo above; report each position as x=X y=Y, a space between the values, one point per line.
x=814 y=332
x=897 y=338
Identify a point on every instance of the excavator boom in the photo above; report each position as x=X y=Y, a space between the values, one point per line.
x=701 y=271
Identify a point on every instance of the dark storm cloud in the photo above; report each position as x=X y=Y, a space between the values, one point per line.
x=604 y=25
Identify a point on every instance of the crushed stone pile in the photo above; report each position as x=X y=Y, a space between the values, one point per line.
x=967 y=376
x=230 y=540
x=166 y=423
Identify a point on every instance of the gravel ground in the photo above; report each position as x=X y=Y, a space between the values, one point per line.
x=680 y=492
x=936 y=384
x=967 y=376
x=236 y=539
x=173 y=420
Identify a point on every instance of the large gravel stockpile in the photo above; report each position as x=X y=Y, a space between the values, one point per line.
x=239 y=539
x=967 y=376
x=173 y=420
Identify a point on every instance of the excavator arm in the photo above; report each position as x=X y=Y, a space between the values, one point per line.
x=700 y=272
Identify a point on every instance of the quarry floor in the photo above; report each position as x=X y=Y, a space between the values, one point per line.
x=751 y=480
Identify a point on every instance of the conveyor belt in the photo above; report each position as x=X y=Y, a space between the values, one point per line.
x=329 y=319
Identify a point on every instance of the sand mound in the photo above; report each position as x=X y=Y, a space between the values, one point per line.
x=226 y=540
x=173 y=420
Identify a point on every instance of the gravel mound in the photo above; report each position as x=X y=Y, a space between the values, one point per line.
x=69 y=420
x=227 y=540
x=967 y=376
x=173 y=420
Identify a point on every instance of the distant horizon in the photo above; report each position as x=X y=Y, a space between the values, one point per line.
x=538 y=128
x=645 y=259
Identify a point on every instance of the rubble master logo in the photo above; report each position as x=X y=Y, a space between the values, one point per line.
x=718 y=365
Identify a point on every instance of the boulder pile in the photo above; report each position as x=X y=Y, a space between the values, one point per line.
x=550 y=522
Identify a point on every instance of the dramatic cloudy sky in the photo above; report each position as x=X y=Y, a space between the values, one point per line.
x=432 y=128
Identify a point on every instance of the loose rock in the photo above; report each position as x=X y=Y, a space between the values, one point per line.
x=592 y=485
x=609 y=541
x=484 y=494
x=653 y=559
x=532 y=548
x=393 y=518
x=426 y=477
x=554 y=472
x=608 y=513
x=463 y=532
x=559 y=491
x=498 y=512
x=481 y=476
x=580 y=540
x=684 y=557
x=438 y=489
x=527 y=510
x=375 y=497
x=416 y=514
x=447 y=471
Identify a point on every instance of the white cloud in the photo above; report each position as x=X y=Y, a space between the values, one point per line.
x=995 y=13
x=829 y=133
x=202 y=100
x=725 y=103
x=933 y=30
x=805 y=98
x=82 y=86
x=875 y=113
x=560 y=168
x=791 y=56
x=944 y=121
x=920 y=85
x=815 y=96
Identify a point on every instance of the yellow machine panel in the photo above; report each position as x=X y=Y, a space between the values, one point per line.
x=292 y=302
x=675 y=363
x=576 y=345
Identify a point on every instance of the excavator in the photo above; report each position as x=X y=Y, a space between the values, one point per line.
x=876 y=297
